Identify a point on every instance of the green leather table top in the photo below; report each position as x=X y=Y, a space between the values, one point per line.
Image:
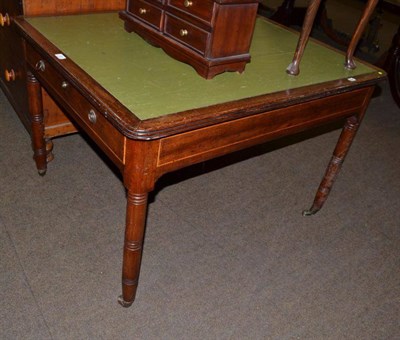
x=151 y=84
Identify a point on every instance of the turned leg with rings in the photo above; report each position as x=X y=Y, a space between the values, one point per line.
x=140 y=176
x=40 y=152
x=343 y=145
x=133 y=246
x=346 y=138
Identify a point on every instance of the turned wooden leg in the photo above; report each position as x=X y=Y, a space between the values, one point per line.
x=312 y=9
x=133 y=245
x=139 y=179
x=36 y=116
x=349 y=131
x=368 y=10
x=343 y=145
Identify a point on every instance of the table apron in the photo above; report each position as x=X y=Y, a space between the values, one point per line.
x=206 y=143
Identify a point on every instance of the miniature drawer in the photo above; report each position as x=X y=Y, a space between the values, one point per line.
x=186 y=33
x=213 y=36
x=202 y=9
x=147 y=12
x=80 y=109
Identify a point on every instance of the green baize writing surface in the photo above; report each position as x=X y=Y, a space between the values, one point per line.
x=151 y=84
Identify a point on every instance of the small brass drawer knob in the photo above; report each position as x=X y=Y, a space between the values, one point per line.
x=5 y=20
x=9 y=75
x=183 y=32
x=188 y=3
x=40 y=65
x=142 y=10
x=92 y=116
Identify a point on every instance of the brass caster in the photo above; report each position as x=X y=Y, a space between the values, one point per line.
x=42 y=172
x=310 y=212
x=124 y=303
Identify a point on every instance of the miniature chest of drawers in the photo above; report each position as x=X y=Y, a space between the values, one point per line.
x=213 y=36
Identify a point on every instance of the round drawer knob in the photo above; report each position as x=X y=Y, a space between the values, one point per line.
x=188 y=3
x=92 y=116
x=9 y=75
x=5 y=20
x=142 y=10
x=40 y=65
x=183 y=32
x=64 y=84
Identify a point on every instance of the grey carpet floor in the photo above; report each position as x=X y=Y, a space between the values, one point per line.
x=227 y=255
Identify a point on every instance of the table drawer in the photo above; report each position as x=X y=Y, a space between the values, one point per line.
x=202 y=9
x=81 y=110
x=186 y=33
x=147 y=12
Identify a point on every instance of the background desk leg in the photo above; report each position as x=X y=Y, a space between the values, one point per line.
x=312 y=9
x=36 y=116
x=343 y=145
x=369 y=8
x=392 y=67
x=133 y=246
x=283 y=15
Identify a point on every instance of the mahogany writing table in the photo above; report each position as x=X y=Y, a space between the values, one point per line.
x=151 y=114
